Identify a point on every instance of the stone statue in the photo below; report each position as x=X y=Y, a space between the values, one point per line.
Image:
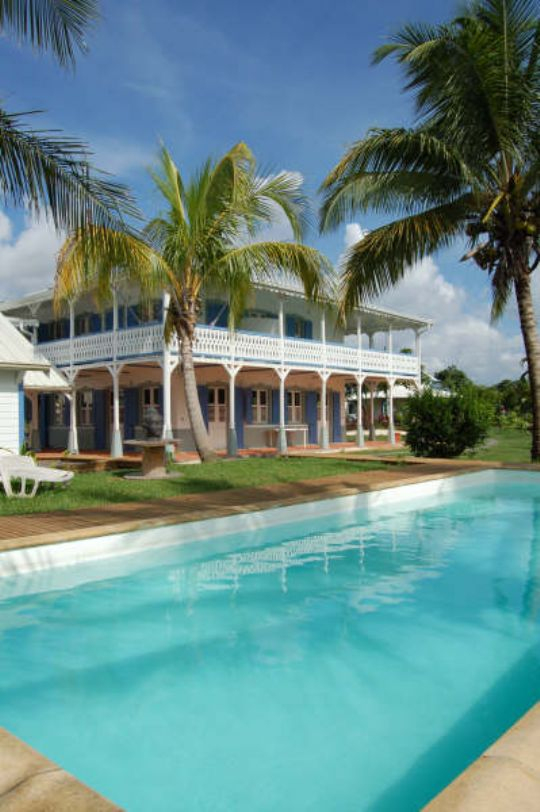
x=152 y=423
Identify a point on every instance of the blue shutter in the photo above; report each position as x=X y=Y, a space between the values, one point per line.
x=290 y=326
x=43 y=333
x=203 y=400
x=212 y=309
x=275 y=406
x=109 y=319
x=158 y=310
x=215 y=309
x=131 y=412
x=336 y=417
x=239 y=401
x=308 y=329
x=95 y=323
x=286 y=410
x=160 y=398
x=133 y=316
x=64 y=326
x=67 y=411
x=248 y=395
x=42 y=419
x=311 y=417
x=99 y=409
x=21 y=415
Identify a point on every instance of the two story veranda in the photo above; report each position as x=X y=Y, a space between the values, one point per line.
x=278 y=380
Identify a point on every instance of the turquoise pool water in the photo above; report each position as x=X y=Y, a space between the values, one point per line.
x=333 y=664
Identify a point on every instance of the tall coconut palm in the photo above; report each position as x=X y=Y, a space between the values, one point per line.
x=41 y=170
x=204 y=240
x=469 y=168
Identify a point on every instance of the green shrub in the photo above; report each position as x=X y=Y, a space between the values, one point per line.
x=439 y=426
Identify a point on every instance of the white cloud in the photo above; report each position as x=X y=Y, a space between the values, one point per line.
x=353 y=234
x=27 y=258
x=120 y=157
x=462 y=333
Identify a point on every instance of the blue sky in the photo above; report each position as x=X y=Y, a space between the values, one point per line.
x=292 y=79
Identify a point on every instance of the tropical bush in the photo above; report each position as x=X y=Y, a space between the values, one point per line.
x=445 y=426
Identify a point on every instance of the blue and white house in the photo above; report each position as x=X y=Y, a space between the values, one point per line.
x=23 y=373
x=278 y=380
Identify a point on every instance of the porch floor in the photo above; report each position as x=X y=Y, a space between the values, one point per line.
x=102 y=460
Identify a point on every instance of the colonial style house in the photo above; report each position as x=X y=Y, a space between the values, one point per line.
x=278 y=380
x=22 y=370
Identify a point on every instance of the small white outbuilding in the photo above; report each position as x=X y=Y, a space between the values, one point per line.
x=17 y=356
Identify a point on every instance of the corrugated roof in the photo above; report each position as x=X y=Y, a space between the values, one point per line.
x=51 y=380
x=16 y=352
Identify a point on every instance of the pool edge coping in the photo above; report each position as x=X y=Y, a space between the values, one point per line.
x=505 y=777
x=335 y=488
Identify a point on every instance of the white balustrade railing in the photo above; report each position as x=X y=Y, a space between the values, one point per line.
x=217 y=343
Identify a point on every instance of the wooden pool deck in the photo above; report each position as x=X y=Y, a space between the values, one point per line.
x=35 y=529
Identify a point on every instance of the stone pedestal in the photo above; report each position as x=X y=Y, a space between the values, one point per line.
x=154 y=458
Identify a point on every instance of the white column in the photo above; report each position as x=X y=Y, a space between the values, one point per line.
x=372 y=392
x=281 y=323
x=71 y=331
x=73 y=437
x=418 y=353
x=117 y=449
x=324 y=439
x=359 y=416
x=391 y=428
x=282 y=434
x=115 y=319
x=167 y=371
x=232 y=438
x=323 y=337
x=359 y=341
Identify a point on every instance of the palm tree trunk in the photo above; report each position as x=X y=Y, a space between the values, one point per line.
x=200 y=434
x=529 y=331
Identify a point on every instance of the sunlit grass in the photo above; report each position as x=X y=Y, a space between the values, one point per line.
x=94 y=489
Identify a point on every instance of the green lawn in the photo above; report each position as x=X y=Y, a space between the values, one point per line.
x=504 y=445
x=87 y=490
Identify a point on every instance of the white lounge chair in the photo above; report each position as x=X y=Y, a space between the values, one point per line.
x=25 y=469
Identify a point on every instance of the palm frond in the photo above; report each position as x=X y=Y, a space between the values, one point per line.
x=58 y=26
x=50 y=173
x=93 y=257
x=393 y=169
x=383 y=256
x=260 y=261
x=169 y=182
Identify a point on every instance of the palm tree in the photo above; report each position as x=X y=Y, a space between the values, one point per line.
x=204 y=240
x=42 y=170
x=469 y=168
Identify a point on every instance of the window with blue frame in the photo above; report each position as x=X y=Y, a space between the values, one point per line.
x=298 y=327
x=259 y=405
x=85 y=404
x=151 y=398
x=217 y=313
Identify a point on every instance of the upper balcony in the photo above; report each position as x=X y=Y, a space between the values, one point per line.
x=219 y=344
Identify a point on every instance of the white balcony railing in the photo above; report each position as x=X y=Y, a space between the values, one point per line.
x=217 y=343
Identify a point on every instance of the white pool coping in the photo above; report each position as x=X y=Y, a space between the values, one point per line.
x=70 y=554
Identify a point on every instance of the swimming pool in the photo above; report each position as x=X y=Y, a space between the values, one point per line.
x=355 y=655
